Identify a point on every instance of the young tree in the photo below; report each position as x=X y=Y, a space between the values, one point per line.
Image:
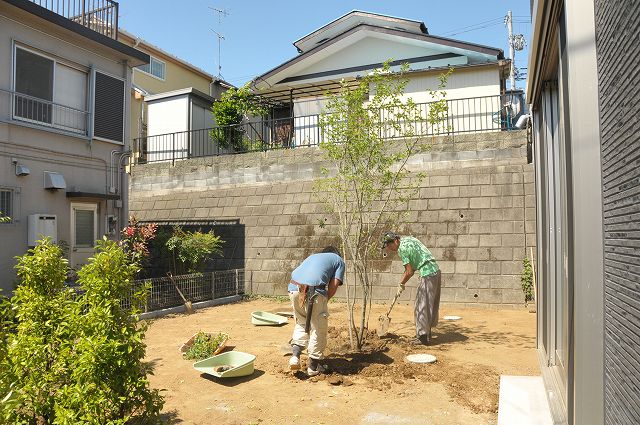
x=369 y=132
x=192 y=249
x=233 y=107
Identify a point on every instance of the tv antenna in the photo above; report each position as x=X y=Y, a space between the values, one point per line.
x=220 y=38
x=221 y=13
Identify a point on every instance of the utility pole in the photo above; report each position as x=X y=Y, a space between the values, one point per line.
x=508 y=20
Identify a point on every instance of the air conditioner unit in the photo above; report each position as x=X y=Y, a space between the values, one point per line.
x=41 y=226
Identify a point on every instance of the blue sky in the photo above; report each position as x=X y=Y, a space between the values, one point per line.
x=258 y=35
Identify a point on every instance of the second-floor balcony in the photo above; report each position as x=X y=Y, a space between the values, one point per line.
x=468 y=115
x=98 y=15
x=41 y=113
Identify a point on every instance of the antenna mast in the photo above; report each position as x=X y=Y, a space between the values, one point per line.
x=221 y=13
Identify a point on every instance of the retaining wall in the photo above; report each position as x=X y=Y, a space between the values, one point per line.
x=475 y=210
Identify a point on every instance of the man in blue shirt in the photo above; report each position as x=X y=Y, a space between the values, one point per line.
x=313 y=283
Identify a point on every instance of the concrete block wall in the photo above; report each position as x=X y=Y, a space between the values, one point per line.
x=474 y=210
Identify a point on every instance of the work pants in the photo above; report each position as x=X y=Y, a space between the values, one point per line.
x=316 y=339
x=427 y=304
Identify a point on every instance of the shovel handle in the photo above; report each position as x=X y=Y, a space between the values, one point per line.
x=393 y=302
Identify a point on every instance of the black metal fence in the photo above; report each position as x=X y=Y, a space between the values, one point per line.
x=468 y=115
x=195 y=287
x=98 y=15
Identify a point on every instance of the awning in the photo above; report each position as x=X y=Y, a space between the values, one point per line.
x=93 y=195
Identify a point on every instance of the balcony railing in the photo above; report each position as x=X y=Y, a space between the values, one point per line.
x=39 y=112
x=468 y=115
x=98 y=15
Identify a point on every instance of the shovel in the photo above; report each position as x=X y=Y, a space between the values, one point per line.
x=187 y=304
x=383 y=321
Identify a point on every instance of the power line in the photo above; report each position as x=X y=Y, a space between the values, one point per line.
x=473 y=25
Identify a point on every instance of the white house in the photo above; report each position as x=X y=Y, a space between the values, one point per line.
x=359 y=42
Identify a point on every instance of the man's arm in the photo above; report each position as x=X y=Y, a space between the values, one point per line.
x=408 y=272
x=333 y=287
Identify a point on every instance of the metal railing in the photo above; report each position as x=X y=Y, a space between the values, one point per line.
x=468 y=115
x=98 y=15
x=40 y=112
x=195 y=288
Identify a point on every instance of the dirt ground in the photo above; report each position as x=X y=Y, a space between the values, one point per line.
x=376 y=386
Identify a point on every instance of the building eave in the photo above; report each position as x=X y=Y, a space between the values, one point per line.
x=136 y=57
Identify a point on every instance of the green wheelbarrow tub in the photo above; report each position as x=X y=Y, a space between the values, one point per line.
x=227 y=365
x=263 y=318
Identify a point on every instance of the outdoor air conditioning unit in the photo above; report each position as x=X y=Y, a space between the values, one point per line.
x=41 y=226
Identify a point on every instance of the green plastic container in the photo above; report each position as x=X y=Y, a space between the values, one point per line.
x=262 y=318
x=227 y=365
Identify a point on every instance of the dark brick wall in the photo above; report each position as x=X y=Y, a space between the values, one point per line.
x=618 y=53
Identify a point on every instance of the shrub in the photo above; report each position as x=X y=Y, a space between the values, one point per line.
x=192 y=249
x=204 y=346
x=76 y=358
x=526 y=278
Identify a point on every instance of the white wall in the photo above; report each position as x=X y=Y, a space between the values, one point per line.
x=165 y=118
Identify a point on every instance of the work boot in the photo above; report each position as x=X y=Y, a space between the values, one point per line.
x=421 y=340
x=315 y=368
x=294 y=361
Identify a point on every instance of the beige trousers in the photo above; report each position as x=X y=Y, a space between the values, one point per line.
x=316 y=340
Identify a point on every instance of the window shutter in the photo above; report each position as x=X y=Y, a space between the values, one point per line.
x=109 y=108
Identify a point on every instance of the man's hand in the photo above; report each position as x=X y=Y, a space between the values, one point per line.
x=400 y=289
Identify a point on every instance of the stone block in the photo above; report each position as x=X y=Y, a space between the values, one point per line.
x=458 y=203
x=439 y=180
x=449 y=192
x=437 y=204
x=501 y=202
x=498 y=227
x=488 y=267
x=512 y=240
x=468 y=240
x=456 y=280
x=480 y=179
x=511 y=267
x=467 y=267
x=459 y=180
x=490 y=240
x=258 y=242
x=446 y=241
x=478 y=203
x=480 y=227
x=501 y=254
x=428 y=216
x=457 y=229
x=429 y=192
x=447 y=266
x=478 y=254
x=491 y=190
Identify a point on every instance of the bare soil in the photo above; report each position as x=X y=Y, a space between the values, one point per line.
x=374 y=386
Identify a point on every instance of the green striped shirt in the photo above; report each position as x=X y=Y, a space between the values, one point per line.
x=412 y=251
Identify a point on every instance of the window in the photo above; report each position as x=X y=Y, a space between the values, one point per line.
x=85 y=233
x=6 y=205
x=155 y=67
x=34 y=79
x=49 y=92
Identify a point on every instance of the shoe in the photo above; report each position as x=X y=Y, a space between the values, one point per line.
x=421 y=340
x=294 y=363
x=317 y=371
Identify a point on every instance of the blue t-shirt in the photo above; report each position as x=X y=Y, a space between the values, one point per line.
x=318 y=269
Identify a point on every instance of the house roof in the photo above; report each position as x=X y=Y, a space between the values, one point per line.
x=355 y=18
x=163 y=54
x=422 y=51
x=176 y=93
x=136 y=56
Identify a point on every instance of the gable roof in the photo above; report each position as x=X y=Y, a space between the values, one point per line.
x=355 y=18
x=423 y=52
